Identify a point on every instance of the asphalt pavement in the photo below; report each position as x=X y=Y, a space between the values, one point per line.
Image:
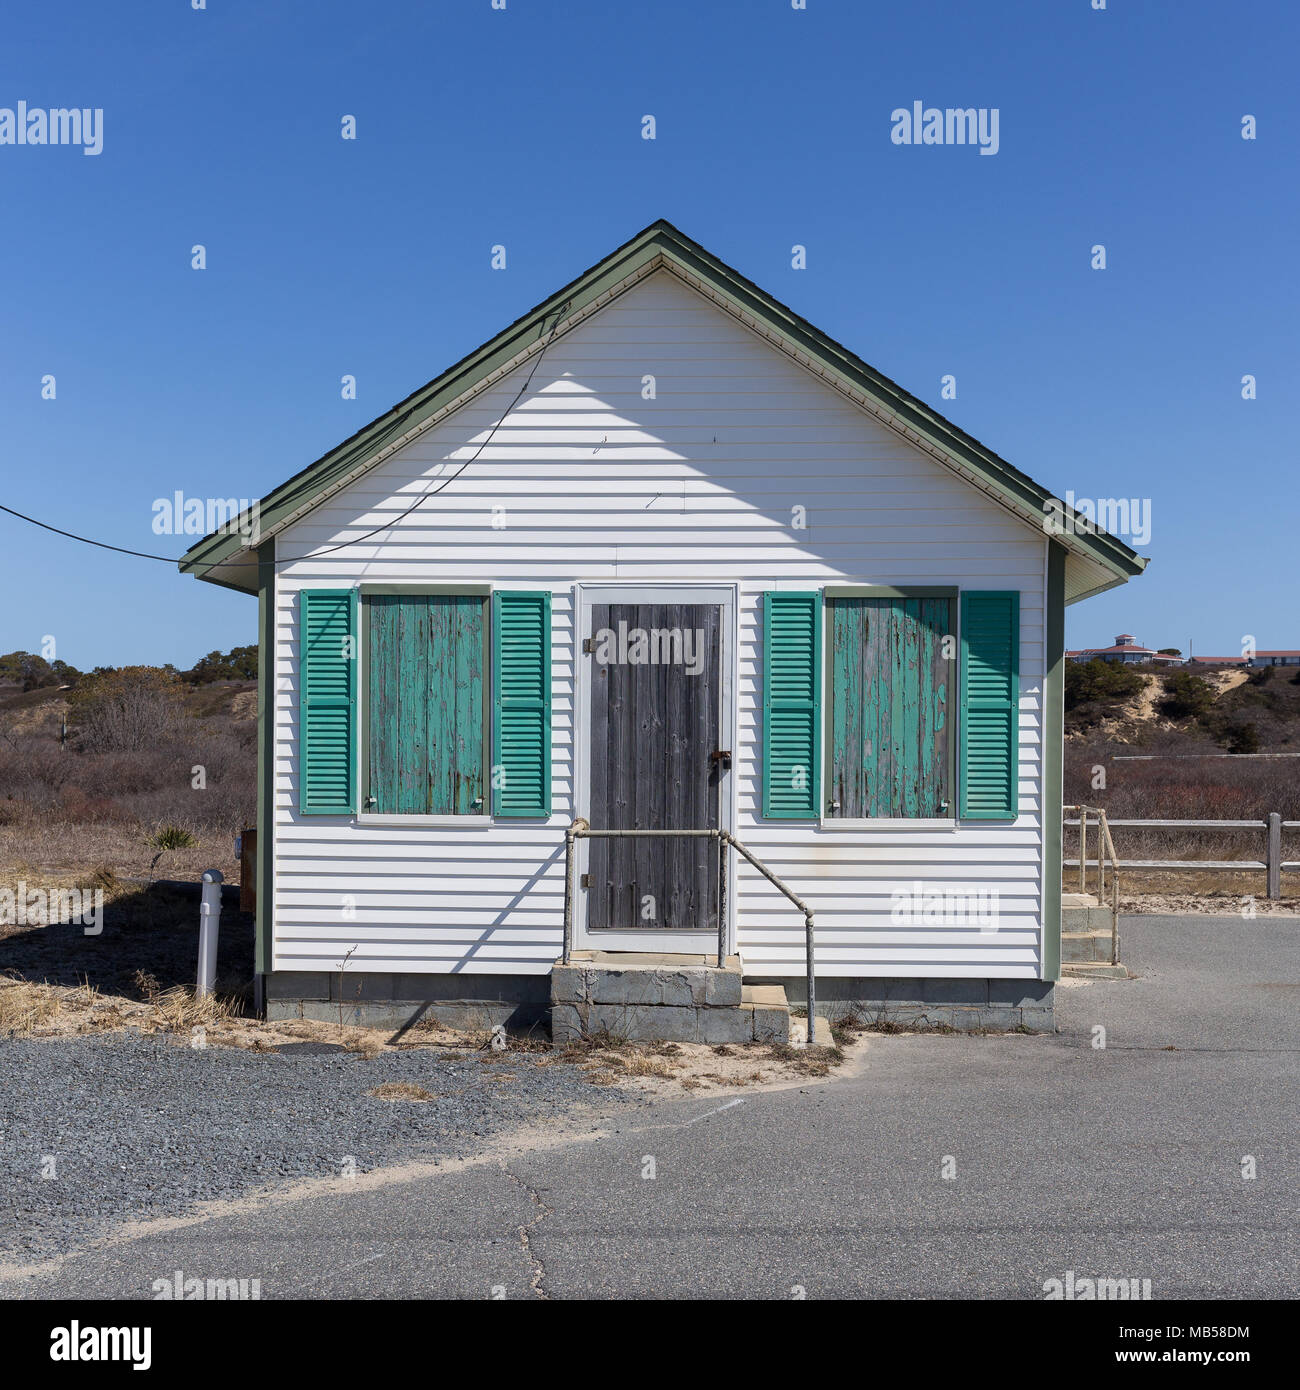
x=940 y=1166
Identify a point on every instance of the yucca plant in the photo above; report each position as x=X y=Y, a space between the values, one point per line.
x=168 y=837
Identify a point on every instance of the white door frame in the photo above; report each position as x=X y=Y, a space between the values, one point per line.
x=674 y=591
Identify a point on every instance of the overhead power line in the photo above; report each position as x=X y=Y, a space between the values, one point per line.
x=328 y=550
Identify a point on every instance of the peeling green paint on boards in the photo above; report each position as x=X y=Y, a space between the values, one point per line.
x=890 y=695
x=425 y=715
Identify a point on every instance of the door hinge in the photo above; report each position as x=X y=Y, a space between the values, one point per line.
x=584 y=881
x=588 y=644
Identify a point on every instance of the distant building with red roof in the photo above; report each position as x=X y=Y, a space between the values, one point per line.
x=1125 y=649
x=1275 y=659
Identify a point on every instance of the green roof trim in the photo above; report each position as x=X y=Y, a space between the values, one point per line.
x=660 y=243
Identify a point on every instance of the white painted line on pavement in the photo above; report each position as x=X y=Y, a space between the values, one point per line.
x=718 y=1111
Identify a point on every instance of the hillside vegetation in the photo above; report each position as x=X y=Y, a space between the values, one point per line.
x=1149 y=744
x=143 y=769
x=157 y=771
x=1234 y=710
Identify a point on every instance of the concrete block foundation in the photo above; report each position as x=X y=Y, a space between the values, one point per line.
x=678 y=999
x=384 y=999
x=967 y=1005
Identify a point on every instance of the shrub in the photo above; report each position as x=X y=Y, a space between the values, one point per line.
x=238 y=664
x=85 y=807
x=172 y=837
x=128 y=710
x=1242 y=738
x=1186 y=696
x=33 y=672
x=1091 y=682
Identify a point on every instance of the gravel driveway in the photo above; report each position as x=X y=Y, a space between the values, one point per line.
x=137 y=1127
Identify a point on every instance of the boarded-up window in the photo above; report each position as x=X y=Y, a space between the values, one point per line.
x=425 y=712
x=889 y=687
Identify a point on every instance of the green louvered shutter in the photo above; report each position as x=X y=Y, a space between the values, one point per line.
x=792 y=643
x=990 y=699
x=327 y=702
x=521 y=738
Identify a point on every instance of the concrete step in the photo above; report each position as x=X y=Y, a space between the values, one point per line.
x=1079 y=946
x=665 y=997
x=822 y=1036
x=1086 y=927
x=1084 y=917
x=635 y=977
x=1095 y=970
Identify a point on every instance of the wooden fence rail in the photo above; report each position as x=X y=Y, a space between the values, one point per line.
x=1273 y=866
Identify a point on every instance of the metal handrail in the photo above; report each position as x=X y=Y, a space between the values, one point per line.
x=1105 y=851
x=581 y=829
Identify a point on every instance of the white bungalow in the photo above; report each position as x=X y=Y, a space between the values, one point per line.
x=661 y=555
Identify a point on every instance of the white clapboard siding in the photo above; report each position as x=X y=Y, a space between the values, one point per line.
x=601 y=486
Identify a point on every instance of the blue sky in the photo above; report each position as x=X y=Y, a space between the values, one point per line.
x=477 y=126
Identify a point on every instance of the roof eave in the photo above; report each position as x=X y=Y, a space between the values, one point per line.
x=660 y=243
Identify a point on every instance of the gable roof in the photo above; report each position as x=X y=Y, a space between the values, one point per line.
x=1095 y=560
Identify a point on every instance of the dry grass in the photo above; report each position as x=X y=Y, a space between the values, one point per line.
x=65 y=810
x=400 y=1090
x=136 y=976
x=177 y=1010
x=673 y=1067
x=806 y=1061
x=40 y=1009
x=49 y=1011
x=637 y=1063
x=848 y=1027
x=25 y=1007
x=58 y=846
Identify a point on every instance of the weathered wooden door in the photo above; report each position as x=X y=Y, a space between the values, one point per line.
x=655 y=712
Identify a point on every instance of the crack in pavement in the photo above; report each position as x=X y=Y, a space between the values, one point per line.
x=525 y=1240
x=528 y=1139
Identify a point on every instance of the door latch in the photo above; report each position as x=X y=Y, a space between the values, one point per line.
x=722 y=756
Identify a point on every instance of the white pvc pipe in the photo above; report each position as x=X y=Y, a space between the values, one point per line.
x=209 y=924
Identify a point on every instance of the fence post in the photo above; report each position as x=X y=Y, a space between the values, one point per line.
x=209 y=924
x=1083 y=849
x=1274 y=858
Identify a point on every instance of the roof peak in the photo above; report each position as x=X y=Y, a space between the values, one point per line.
x=663 y=243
